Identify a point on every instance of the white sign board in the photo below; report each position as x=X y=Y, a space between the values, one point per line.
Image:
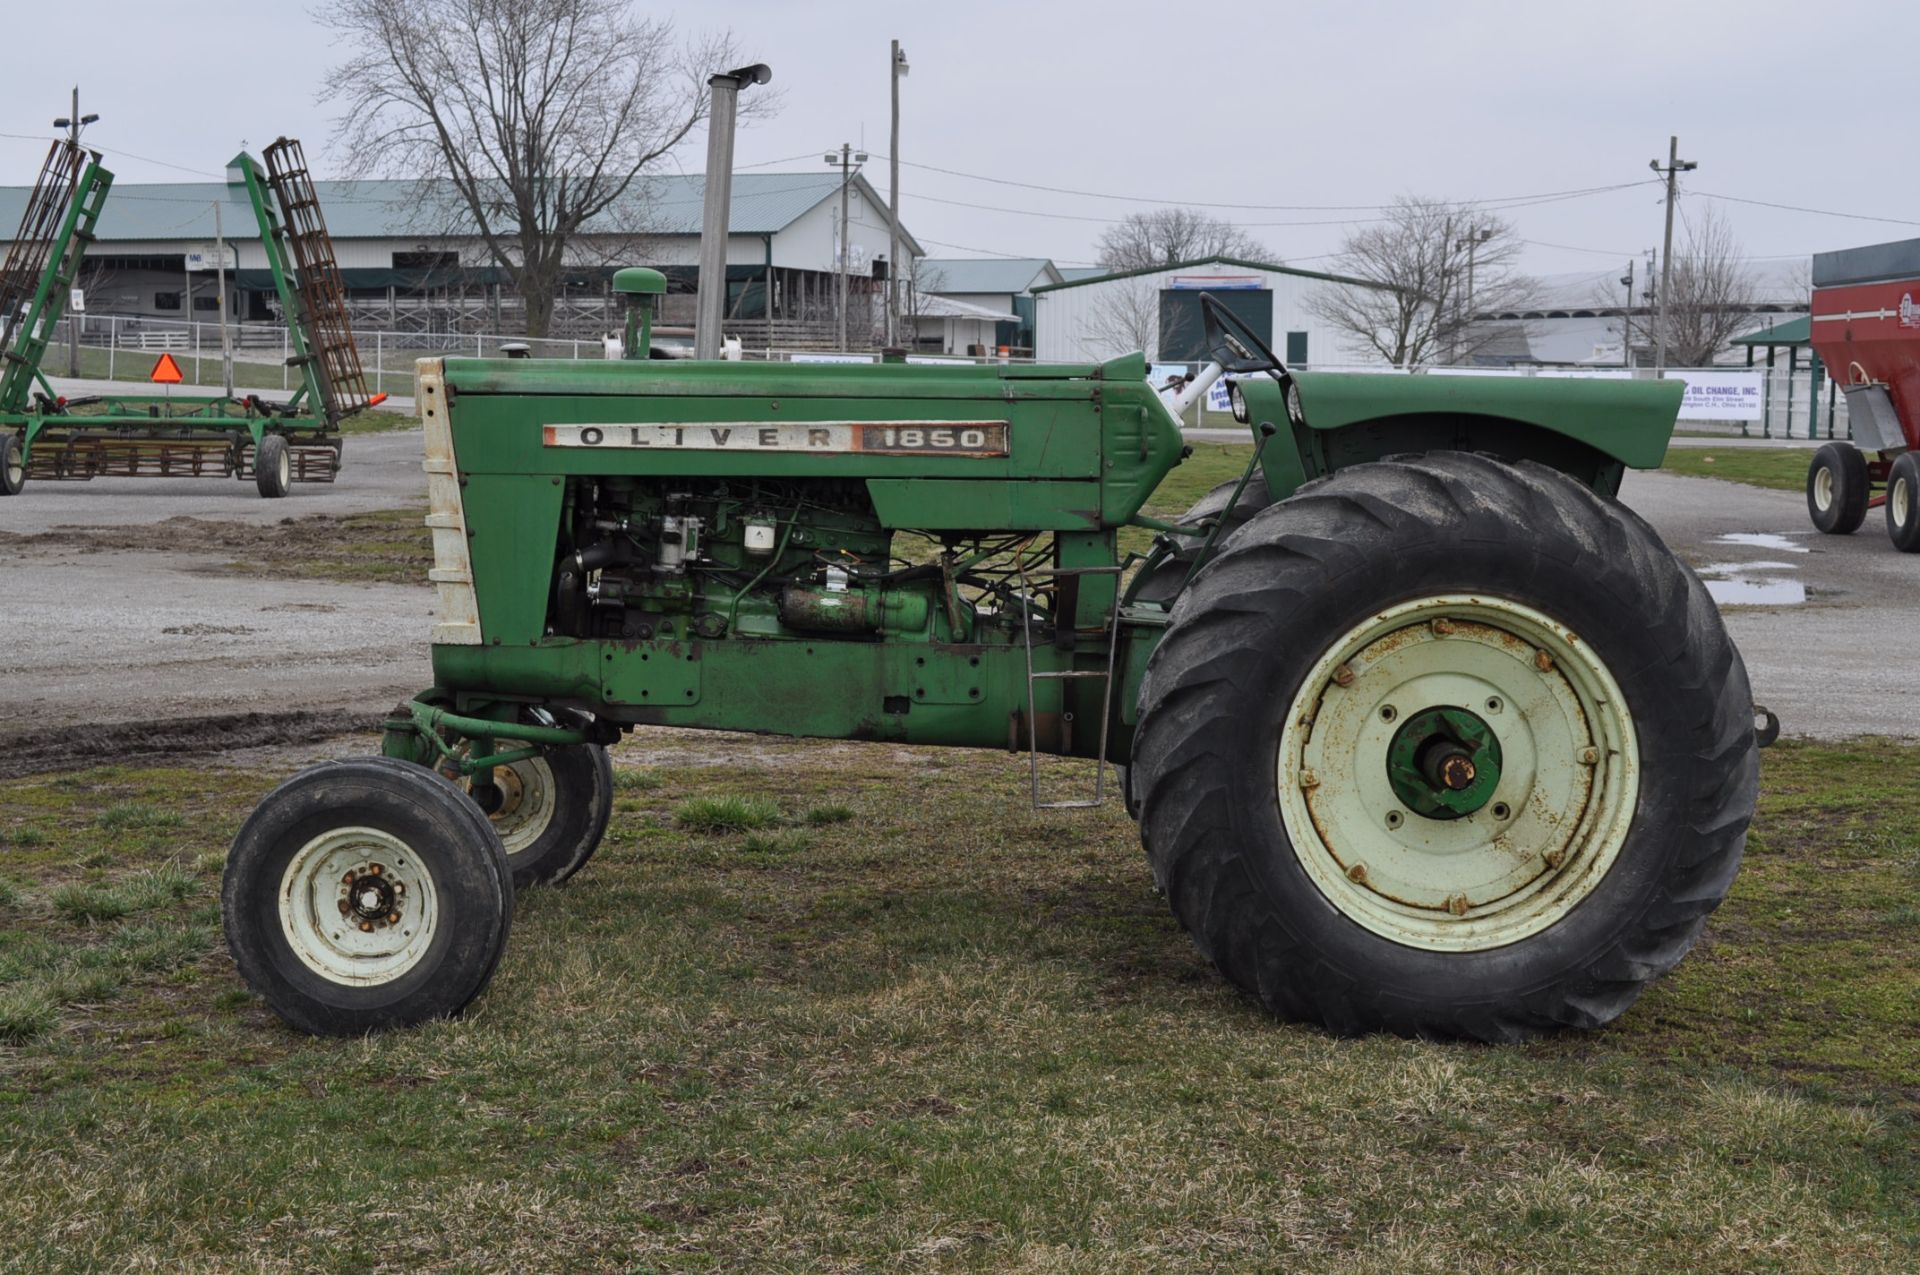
x=1721 y=396
x=203 y=257
x=78 y=302
x=830 y=358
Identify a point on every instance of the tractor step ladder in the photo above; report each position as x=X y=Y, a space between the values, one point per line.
x=42 y=263
x=320 y=294
x=1104 y=677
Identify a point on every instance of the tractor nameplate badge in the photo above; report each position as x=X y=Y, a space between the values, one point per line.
x=897 y=438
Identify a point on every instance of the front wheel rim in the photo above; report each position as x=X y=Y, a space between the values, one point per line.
x=357 y=906
x=1901 y=500
x=529 y=801
x=1823 y=489
x=1530 y=849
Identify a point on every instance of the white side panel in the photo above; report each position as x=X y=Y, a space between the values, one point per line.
x=452 y=574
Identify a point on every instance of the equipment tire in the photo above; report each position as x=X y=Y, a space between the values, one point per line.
x=13 y=469
x=272 y=467
x=1837 y=489
x=1903 y=503
x=566 y=795
x=323 y=832
x=1345 y=586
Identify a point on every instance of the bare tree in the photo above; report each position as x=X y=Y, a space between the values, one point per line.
x=1415 y=261
x=1168 y=236
x=1124 y=317
x=1712 y=297
x=543 y=114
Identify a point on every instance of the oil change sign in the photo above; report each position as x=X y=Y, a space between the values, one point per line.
x=886 y=438
x=1720 y=396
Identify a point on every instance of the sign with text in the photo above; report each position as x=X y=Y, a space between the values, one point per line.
x=1721 y=396
x=205 y=257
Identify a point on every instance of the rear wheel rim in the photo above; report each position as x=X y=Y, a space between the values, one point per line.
x=285 y=469
x=1901 y=501
x=357 y=906
x=1823 y=489
x=1520 y=856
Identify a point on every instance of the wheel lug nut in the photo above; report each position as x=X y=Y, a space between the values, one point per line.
x=1441 y=627
x=1458 y=905
x=1590 y=757
x=1343 y=676
x=1309 y=780
x=393 y=918
x=1543 y=661
x=366 y=927
x=1357 y=873
x=1554 y=858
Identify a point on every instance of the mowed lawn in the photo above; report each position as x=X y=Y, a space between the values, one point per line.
x=893 y=1018
x=1778 y=468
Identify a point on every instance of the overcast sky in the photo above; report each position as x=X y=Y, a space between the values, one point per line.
x=1291 y=106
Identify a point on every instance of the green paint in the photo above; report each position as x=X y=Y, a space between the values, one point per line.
x=699 y=560
x=1416 y=757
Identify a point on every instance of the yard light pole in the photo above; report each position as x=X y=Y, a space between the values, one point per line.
x=900 y=69
x=712 y=295
x=73 y=123
x=1626 y=319
x=849 y=160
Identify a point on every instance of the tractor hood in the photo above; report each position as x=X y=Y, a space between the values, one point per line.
x=1628 y=421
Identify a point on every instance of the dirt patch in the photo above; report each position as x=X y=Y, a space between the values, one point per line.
x=179 y=738
x=389 y=544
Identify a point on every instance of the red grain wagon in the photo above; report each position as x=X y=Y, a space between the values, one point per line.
x=1866 y=328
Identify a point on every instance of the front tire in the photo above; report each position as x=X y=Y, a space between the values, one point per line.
x=1355 y=650
x=366 y=894
x=1837 y=489
x=1903 y=503
x=550 y=811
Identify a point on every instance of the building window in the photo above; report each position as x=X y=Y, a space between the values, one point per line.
x=207 y=303
x=166 y=301
x=1296 y=348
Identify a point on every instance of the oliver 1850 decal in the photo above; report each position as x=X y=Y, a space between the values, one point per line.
x=915 y=438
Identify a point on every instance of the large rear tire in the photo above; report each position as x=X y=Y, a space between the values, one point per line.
x=1356 y=650
x=1837 y=489
x=366 y=894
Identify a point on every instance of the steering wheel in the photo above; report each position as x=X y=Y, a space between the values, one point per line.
x=1232 y=343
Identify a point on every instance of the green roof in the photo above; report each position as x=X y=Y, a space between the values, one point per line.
x=1269 y=266
x=1792 y=332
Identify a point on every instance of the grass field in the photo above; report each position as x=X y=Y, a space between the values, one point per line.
x=1780 y=468
x=793 y=1019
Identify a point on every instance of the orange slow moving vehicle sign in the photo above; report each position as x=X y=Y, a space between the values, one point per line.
x=166 y=371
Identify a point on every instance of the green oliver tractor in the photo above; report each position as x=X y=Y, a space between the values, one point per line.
x=1423 y=731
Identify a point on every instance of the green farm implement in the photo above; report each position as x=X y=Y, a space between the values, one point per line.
x=46 y=435
x=1424 y=732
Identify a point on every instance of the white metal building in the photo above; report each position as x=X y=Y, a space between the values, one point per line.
x=1157 y=311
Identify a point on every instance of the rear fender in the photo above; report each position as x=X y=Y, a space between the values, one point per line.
x=1591 y=430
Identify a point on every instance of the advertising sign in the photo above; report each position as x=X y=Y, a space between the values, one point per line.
x=1721 y=396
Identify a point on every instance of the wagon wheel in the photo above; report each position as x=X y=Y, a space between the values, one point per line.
x=1445 y=747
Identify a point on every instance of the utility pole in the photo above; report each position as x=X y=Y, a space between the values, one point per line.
x=848 y=159
x=1626 y=319
x=1472 y=242
x=893 y=203
x=73 y=123
x=1675 y=166
x=711 y=299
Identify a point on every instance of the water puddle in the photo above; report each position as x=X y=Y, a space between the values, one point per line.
x=1744 y=592
x=1773 y=540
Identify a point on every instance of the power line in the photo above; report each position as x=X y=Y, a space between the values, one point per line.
x=1820 y=212
x=1201 y=203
